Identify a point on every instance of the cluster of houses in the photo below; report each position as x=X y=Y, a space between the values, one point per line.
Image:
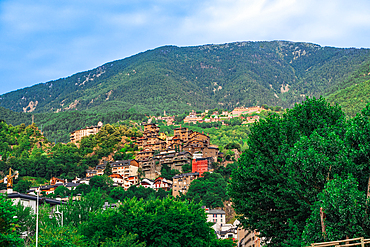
x=186 y=147
x=208 y=117
x=216 y=116
x=225 y=230
x=55 y=183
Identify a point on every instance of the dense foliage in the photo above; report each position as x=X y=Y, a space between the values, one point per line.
x=135 y=223
x=25 y=149
x=209 y=189
x=352 y=98
x=8 y=224
x=353 y=93
x=292 y=159
x=157 y=222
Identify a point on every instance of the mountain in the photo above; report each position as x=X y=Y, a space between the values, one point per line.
x=177 y=79
x=353 y=93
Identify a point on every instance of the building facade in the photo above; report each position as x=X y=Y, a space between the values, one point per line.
x=77 y=135
x=181 y=183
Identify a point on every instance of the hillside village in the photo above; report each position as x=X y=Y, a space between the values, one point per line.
x=187 y=153
x=185 y=147
x=115 y=163
x=155 y=150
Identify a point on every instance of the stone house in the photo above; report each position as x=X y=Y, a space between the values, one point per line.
x=210 y=152
x=150 y=168
x=182 y=133
x=181 y=183
x=147 y=153
x=174 y=160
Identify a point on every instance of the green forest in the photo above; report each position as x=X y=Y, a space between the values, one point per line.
x=353 y=93
x=308 y=160
x=178 y=79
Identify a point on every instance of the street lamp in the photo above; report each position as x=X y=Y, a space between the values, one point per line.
x=59 y=213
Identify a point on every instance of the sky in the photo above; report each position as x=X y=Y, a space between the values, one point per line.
x=43 y=40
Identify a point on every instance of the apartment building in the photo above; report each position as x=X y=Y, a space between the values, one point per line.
x=181 y=182
x=77 y=135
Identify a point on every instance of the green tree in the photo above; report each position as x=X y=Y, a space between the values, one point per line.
x=82 y=189
x=167 y=172
x=140 y=193
x=75 y=212
x=26 y=222
x=117 y=193
x=346 y=212
x=62 y=191
x=156 y=222
x=57 y=236
x=103 y=182
x=8 y=223
x=357 y=140
x=22 y=186
x=210 y=190
x=186 y=168
x=260 y=186
x=127 y=240
x=108 y=169
x=227 y=171
x=233 y=145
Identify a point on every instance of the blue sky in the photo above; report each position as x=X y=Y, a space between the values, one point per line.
x=46 y=40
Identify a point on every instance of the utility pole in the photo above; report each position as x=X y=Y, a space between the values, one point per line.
x=37 y=218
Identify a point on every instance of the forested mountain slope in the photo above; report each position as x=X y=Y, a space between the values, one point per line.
x=177 y=79
x=353 y=93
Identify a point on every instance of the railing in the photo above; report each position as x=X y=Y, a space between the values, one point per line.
x=346 y=242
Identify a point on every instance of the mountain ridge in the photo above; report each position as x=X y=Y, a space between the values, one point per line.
x=176 y=79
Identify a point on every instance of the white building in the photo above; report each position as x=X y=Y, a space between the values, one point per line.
x=216 y=216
